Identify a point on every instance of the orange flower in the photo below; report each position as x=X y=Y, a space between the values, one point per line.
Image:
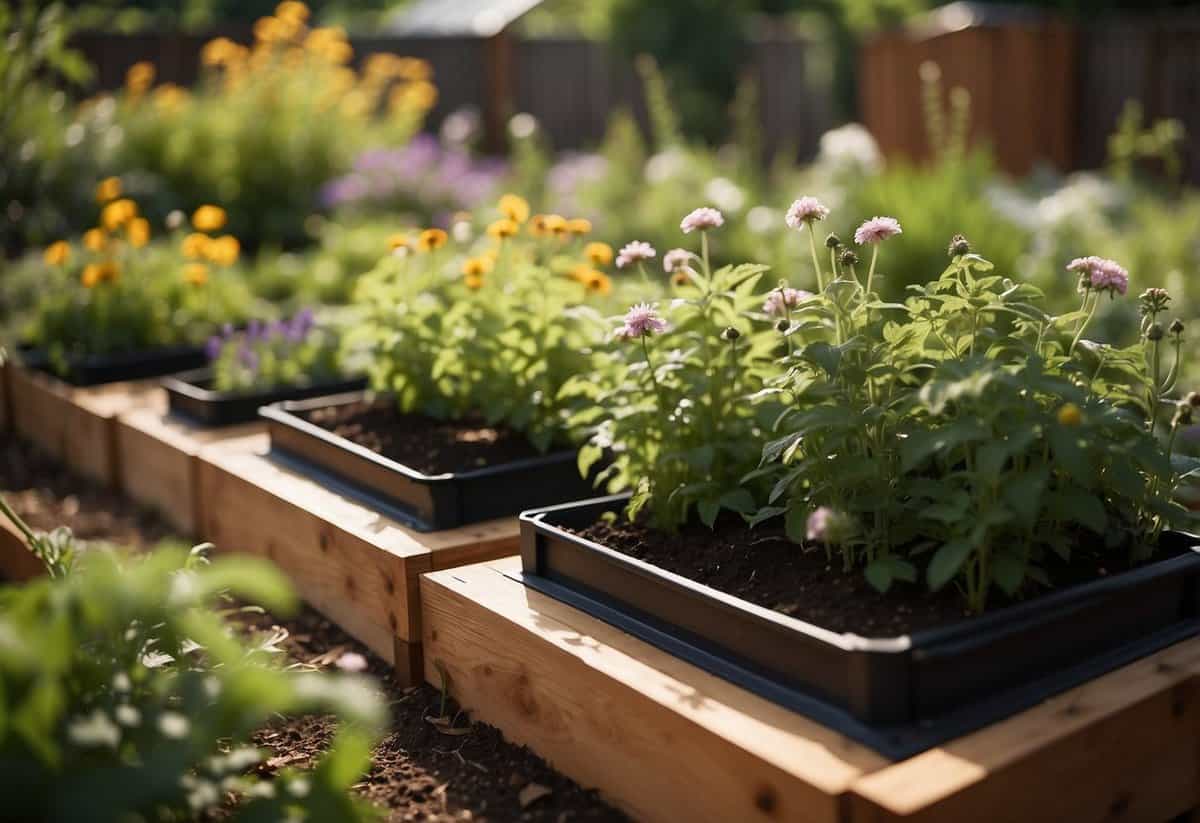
x=413 y=68
x=139 y=78
x=96 y=273
x=421 y=95
x=195 y=245
x=195 y=274
x=95 y=240
x=474 y=281
x=503 y=229
x=514 y=207
x=292 y=11
x=57 y=253
x=579 y=226
x=538 y=225
x=598 y=282
x=476 y=266
x=90 y=276
x=600 y=254
x=431 y=240
x=399 y=240
x=139 y=232
x=108 y=189
x=209 y=218
x=680 y=277
x=224 y=250
x=117 y=214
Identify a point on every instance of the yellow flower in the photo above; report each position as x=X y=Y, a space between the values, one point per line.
x=95 y=240
x=218 y=51
x=556 y=224
x=502 y=229
x=108 y=189
x=117 y=214
x=514 y=207
x=270 y=30
x=223 y=250
x=579 y=226
x=57 y=253
x=601 y=254
x=139 y=78
x=538 y=225
x=1070 y=415
x=413 y=68
x=170 y=97
x=421 y=95
x=476 y=266
x=139 y=232
x=592 y=280
x=474 y=281
x=431 y=240
x=195 y=274
x=399 y=240
x=195 y=245
x=209 y=218
x=292 y=11
x=96 y=273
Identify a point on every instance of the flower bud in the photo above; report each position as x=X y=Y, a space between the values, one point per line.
x=849 y=258
x=730 y=334
x=1155 y=332
x=1176 y=327
x=832 y=241
x=783 y=325
x=1193 y=399
x=1153 y=301
x=958 y=246
x=1070 y=415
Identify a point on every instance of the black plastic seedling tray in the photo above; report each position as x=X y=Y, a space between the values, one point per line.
x=424 y=502
x=94 y=370
x=898 y=695
x=190 y=395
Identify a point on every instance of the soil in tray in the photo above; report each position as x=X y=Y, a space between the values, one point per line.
x=422 y=443
x=420 y=772
x=762 y=566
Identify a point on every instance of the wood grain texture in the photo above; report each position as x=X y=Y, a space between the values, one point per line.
x=660 y=738
x=1122 y=747
x=356 y=566
x=75 y=425
x=158 y=460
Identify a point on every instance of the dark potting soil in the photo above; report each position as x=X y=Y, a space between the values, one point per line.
x=451 y=770
x=430 y=446
x=762 y=566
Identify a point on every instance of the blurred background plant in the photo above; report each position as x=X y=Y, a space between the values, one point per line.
x=291 y=352
x=266 y=126
x=128 y=697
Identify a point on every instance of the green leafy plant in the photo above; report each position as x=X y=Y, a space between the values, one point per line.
x=968 y=435
x=666 y=398
x=126 y=697
x=114 y=290
x=493 y=329
x=292 y=352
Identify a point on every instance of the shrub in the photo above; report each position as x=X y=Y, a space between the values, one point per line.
x=292 y=352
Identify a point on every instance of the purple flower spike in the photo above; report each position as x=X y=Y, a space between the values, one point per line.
x=212 y=349
x=248 y=357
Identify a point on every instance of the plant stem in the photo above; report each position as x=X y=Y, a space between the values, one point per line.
x=812 y=244
x=1087 y=319
x=15 y=519
x=704 y=254
x=871 y=269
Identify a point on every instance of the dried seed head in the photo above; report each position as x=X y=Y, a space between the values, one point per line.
x=783 y=325
x=730 y=334
x=1183 y=414
x=1176 y=327
x=958 y=246
x=849 y=258
x=832 y=241
x=1154 y=332
x=1193 y=399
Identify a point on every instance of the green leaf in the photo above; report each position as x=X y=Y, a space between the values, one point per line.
x=1081 y=507
x=738 y=500
x=824 y=355
x=589 y=453
x=1008 y=571
x=796 y=524
x=919 y=446
x=708 y=509
x=947 y=562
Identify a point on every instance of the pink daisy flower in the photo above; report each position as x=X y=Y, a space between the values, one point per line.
x=876 y=230
x=780 y=301
x=805 y=212
x=676 y=259
x=1101 y=274
x=641 y=320
x=634 y=252
x=702 y=219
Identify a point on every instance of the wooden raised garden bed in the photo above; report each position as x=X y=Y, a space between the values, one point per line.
x=75 y=424
x=667 y=740
x=357 y=566
x=897 y=693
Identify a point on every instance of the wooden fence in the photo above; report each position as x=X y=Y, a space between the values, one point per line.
x=570 y=85
x=1040 y=90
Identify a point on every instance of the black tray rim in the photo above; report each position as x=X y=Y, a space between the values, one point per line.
x=37 y=358
x=1013 y=616
x=285 y=413
x=185 y=384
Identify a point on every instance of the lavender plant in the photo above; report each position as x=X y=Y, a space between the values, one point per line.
x=490 y=327
x=292 y=352
x=966 y=435
x=667 y=396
